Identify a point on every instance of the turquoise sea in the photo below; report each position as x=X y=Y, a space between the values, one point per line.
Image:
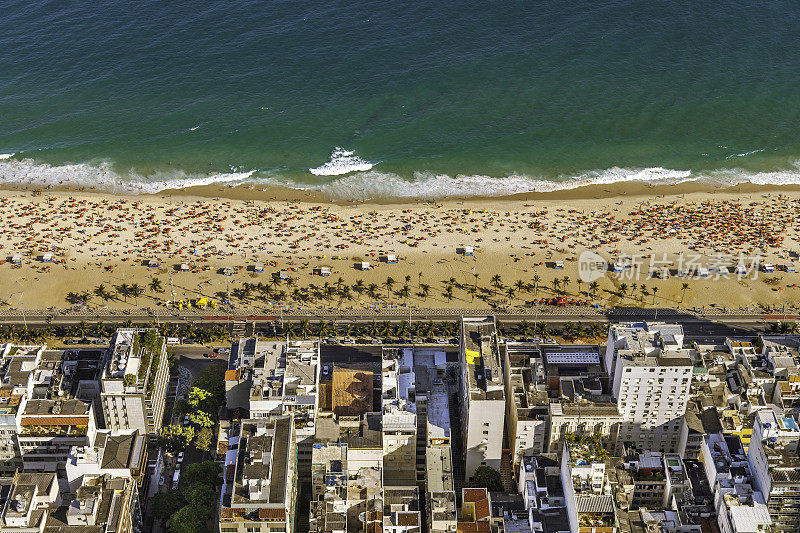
x=416 y=99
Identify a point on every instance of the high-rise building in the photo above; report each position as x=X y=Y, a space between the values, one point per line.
x=652 y=374
x=134 y=381
x=774 y=461
x=483 y=404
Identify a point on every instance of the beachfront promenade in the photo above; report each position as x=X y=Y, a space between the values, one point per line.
x=712 y=322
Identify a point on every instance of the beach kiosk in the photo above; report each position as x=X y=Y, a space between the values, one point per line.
x=184 y=267
x=153 y=263
x=47 y=258
x=16 y=259
x=324 y=271
x=258 y=268
x=469 y=250
x=365 y=266
x=391 y=259
x=559 y=265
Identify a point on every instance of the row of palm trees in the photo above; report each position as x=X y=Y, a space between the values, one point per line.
x=83 y=329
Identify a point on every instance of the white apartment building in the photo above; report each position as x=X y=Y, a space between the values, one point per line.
x=652 y=374
x=134 y=381
x=483 y=404
x=527 y=417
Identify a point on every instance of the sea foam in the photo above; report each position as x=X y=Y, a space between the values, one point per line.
x=341 y=162
x=368 y=184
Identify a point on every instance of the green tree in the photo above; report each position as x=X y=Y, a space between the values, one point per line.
x=174 y=439
x=198 y=396
x=201 y=418
x=204 y=440
x=200 y=495
x=166 y=504
x=488 y=478
x=190 y=519
x=205 y=473
x=130 y=380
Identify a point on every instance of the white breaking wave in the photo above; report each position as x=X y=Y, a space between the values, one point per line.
x=102 y=177
x=6 y=156
x=373 y=185
x=342 y=162
x=745 y=154
x=194 y=128
x=363 y=185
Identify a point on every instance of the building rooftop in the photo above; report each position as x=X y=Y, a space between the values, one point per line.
x=482 y=359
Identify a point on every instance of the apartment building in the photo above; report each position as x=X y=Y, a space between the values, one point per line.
x=134 y=381
x=774 y=461
x=483 y=404
x=652 y=374
x=260 y=489
x=527 y=416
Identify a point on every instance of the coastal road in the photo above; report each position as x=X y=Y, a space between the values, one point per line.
x=716 y=324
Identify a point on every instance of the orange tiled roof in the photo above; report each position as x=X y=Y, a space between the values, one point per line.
x=271 y=514
x=473 y=495
x=482 y=509
x=407 y=519
x=231 y=375
x=473 y=527
x=55 y=421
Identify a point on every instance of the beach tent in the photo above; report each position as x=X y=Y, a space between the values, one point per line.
x=153 y=263
x=741 y=270
x=47 y=258
x=227 y=271
x=16 y=259
x=258 y=268
x=184 y=267
x=365 y=265
x=325 y=271
x=769 y=267
x=468 y=250
x=702 y=272
x=618 y=267
x=391 y=259
x=283 y=274
x=559 y=265
x=201 y=302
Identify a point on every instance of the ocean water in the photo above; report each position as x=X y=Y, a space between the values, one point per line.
x=410 y=99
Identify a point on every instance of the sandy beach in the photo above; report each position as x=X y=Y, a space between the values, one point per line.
x=105 y=240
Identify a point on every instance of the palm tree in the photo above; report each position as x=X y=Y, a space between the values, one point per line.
x=497 y=281
x=524 y=329
x=655 y=290
x=136 y=290
x=404 y=292
x=623 y=290
x=593 y=288
x=323 y=328
x=424 y=290
x=448 y=293
x=358 y=286
x=684 y=286
x=556 y=285
x=125 y=290
x=101 y=292
x=566 y=281
x=155 y=285
x=304 y=329
x=82 y=329
x=645 y=292
x=402 y=329
x=510 y=292
x=389 y=283
x=407 y=279
x=372 y=291
x=542 y=330
x=536 y=280
x=519 y=285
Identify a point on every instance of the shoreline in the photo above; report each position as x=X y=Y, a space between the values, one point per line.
x=104 y=239
x=248 y=192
